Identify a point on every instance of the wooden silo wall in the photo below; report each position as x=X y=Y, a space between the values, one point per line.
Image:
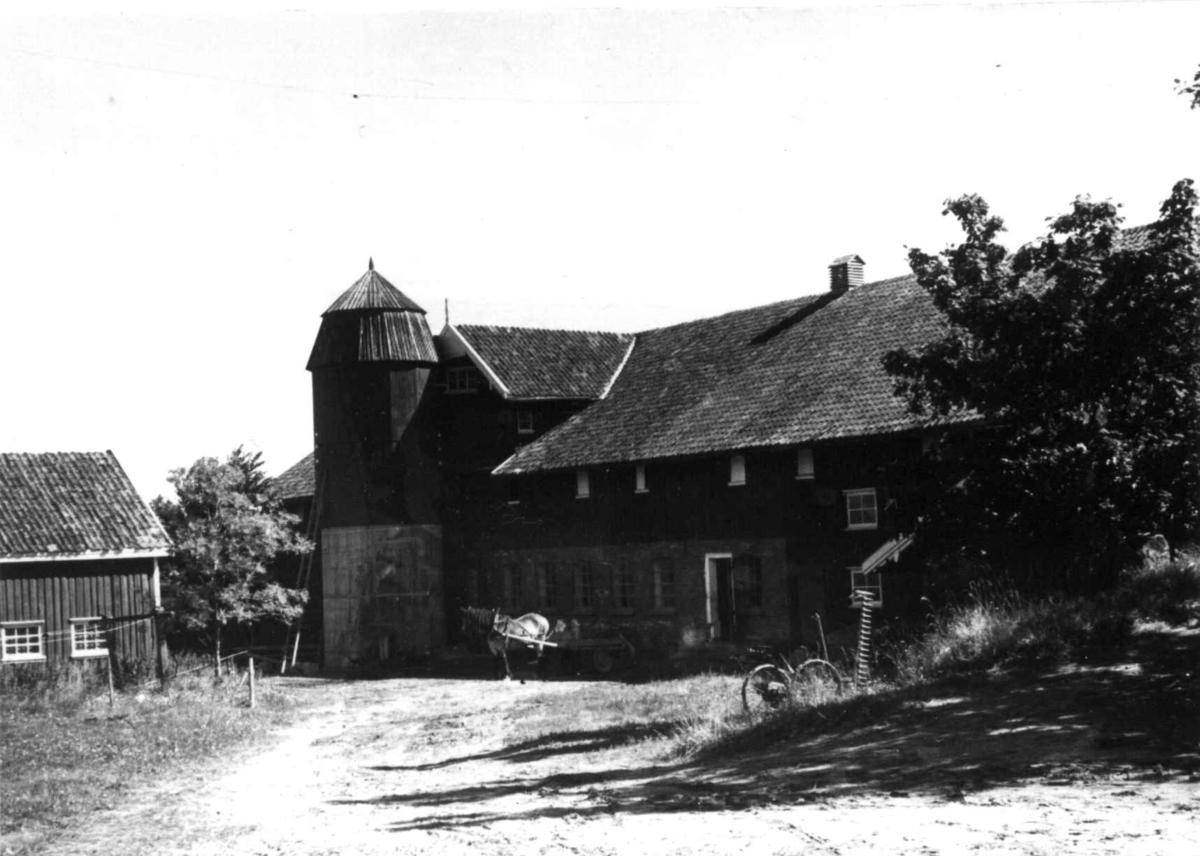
x=378 y=461
x=56 y=592
x=382 y=592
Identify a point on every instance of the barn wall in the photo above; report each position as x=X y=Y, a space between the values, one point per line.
x=382 y=592
x=56 y=592
x=796 y=526
x=652 y=628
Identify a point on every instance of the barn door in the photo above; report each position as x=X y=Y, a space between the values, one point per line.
x=718 y=586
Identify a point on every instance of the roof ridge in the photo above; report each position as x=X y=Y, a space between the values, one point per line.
x=521 y=329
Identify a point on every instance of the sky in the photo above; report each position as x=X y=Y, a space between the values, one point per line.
x=183 y=194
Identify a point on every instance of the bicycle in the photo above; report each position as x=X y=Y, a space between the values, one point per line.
x=776 y=682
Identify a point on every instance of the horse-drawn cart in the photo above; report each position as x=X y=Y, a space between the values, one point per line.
x=602 y=652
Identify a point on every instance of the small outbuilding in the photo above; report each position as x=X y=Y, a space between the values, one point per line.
x=79 y=552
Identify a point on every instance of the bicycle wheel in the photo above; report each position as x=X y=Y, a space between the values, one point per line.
x=765 y=688
x=817 y=681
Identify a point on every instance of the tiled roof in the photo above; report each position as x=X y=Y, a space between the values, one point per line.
x=66 y=504
x=789 y=373
x=297 y=481
x=533 y=363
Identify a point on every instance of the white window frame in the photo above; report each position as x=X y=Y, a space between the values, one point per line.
x=639 y=479
x=737 y=470
x=851 y=522
x=871 y=581
x=524 y=421
x=8 y=642
x=583 y=484
x=88 y=638
x=806 y=468
x=461 y=380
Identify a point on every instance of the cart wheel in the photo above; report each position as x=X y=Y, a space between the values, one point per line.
x=765 y=688
x=817 y=681
x=602 y=661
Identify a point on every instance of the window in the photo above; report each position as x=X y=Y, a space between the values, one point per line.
x=583 y=485
x=462 y=379
x=87 y=638
x=623 y=585
x=22 y=641
x=663 y=573
x=861 y=510
x=512 y=586
x=640 y=479
x=805 y=466
x=865 y=589
x=748 y=582
x=584 y=592
x=737 y=469
x=547 y=585
x=513 y=491
x=524 y=421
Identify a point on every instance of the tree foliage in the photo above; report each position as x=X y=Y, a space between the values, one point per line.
x=227 y=529
x=1079 y=354
x=1190 y=90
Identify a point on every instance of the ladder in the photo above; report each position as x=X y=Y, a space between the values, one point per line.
x=291 y=644
x=862 y=659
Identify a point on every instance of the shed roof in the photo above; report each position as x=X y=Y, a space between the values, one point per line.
x=73 y=505
x=537 y=363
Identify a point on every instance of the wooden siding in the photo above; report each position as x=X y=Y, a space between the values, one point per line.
x=796 y=526
x=375 y=446
x=56 y=592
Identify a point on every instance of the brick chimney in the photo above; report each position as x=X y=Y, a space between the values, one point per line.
x=845 y=273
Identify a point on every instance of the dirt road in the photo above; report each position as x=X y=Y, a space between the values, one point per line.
x=424 y=766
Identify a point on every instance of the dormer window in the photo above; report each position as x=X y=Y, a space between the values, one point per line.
x=524 y=421
x=583 y=484
x=640 y=479
x=462 y=379
x=737 y=470
x=805 y=466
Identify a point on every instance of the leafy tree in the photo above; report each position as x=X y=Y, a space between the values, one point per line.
x=1191 y=90
x=227 y=527
x=1079 y=353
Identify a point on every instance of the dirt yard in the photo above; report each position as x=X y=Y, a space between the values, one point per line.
x=1095 y=759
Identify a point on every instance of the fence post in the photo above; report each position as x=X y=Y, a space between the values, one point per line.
x=252 y=699
x=112 y=699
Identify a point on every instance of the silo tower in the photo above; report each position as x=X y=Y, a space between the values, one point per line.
x=377 y=474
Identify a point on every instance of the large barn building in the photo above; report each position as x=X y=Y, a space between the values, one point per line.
x=721 y=479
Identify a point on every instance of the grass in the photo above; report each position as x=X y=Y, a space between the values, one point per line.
x=65 y=751
x=994 y=629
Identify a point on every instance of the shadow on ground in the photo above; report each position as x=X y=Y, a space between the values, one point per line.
x=1125 y=722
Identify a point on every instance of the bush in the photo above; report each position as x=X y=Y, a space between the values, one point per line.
x=1163 y=590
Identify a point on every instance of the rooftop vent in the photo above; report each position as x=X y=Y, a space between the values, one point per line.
x=845 y=273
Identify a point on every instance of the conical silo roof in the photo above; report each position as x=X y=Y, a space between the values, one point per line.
x=372 y=322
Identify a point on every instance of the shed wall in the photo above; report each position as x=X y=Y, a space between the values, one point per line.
x=56 y=592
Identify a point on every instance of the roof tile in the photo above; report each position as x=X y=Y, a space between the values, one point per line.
x=534 y=363
x=67 y=503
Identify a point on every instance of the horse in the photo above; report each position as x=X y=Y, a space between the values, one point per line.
x=501 y=633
